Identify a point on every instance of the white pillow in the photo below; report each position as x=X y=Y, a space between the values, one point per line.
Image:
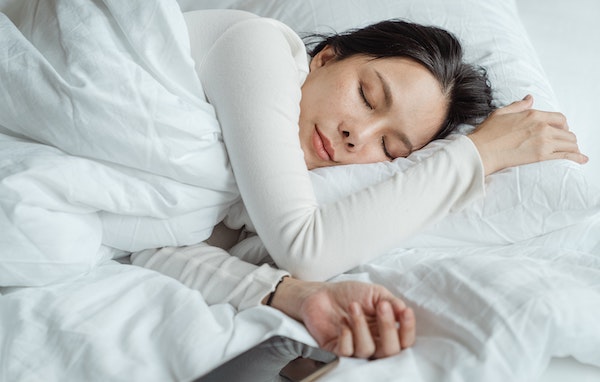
x=491 y=32
x=521 y=203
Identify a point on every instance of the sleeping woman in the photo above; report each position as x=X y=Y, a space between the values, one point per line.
x=368 y=95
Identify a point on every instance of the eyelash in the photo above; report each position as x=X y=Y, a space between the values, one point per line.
x=364 y=98
x=387 y=154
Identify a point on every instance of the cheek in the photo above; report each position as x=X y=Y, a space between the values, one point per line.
x=370 y=154
x=375 y=156
x=335 y=91
x=313 y=103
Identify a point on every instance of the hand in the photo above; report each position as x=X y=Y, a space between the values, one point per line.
x=349 y=318
x=516 y=135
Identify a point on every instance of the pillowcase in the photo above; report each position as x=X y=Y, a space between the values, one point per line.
x=521 y=202
x=490 y=31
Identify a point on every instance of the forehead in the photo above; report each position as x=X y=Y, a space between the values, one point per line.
x=401 y=70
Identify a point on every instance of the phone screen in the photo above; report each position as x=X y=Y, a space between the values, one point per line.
x=276 y=359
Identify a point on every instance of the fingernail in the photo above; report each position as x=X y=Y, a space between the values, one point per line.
x=528 y=96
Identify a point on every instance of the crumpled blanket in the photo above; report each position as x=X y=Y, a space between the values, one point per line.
x=106 y=138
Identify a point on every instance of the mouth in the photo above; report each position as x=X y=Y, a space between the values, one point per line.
x=323 y=146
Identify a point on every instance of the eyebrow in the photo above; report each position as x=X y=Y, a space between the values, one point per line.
x=388 y=99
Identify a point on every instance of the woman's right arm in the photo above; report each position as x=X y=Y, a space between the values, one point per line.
x=517 y=134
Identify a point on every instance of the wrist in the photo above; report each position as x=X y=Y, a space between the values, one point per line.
x=290 y=294
x=268 y=299
x=485 y=154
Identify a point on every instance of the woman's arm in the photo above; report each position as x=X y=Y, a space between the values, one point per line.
x=251 y=77
x=220 y=277
x=348 y=318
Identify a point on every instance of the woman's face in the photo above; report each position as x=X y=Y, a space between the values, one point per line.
x=364 y=110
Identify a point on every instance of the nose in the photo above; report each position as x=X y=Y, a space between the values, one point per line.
x=347 y=143
x=355 y=138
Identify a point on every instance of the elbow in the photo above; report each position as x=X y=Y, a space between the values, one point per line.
x=304 y=248
x=306 y=268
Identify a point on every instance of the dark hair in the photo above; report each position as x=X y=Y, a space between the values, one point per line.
x=465 y=86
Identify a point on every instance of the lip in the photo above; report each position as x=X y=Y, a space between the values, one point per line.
x=322 y=146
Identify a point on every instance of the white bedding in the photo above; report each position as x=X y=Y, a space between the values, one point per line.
x=129 y=122
x=484 y=314
x=499 y=289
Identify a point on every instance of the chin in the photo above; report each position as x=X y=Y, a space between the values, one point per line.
x=312 y=166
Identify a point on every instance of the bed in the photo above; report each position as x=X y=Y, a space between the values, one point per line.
x=507 y=289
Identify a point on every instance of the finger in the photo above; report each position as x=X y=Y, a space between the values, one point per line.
x=566 y=136
x=572 y=156
x=564 y=143
x=397 y=305
x=564 y=146
x=554 y=119
x=389 y=341
x=344 y=347
x=364 y=345
x=517 y=106
x=408 y=328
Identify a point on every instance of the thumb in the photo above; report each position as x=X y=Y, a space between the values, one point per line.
x=517 y=106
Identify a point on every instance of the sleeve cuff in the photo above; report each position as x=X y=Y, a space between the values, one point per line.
x=264 y=280
x=470 y=167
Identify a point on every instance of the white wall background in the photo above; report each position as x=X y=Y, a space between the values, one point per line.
x=566 y=35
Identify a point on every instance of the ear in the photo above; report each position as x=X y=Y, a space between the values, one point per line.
x=323 y=57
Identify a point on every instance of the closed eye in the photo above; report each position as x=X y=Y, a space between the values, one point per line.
x=387 y=154
x=364 y=98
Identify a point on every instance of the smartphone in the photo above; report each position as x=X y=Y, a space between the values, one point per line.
x=276 y=359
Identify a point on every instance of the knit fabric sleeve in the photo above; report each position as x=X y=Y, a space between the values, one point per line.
x=252 y=76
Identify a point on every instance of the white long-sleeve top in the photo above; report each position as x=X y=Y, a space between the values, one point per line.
x=252 y=70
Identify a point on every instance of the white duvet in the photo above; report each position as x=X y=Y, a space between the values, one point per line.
x=498 y=288
x=107 y=136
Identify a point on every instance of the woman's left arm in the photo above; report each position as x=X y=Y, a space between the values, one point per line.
x=349 y=318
